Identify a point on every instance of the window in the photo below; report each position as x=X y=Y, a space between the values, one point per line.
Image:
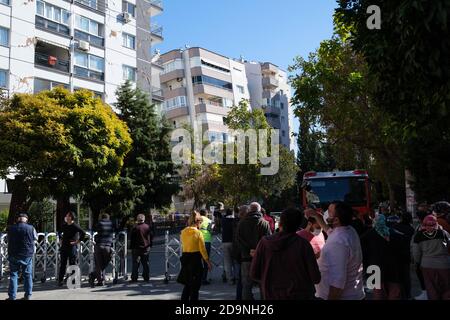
x=52 y=13
x=174 y=65
x=5 y=2
x=89 y=3
x=212 y=81
x=96 y=63
x=81 y=59
x=4 y=37
x=176 y=102
x=88 y=25
x=128 y=41
x=241 y=89
x=282 y=119
x=282 y=105
x=41 y=85
x=129 y=73
x=4 y=78
x=89 y=61
x=208 y=64
x=129 y=7
x=283 y=133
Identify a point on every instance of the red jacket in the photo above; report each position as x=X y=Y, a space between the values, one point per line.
x=269 y=219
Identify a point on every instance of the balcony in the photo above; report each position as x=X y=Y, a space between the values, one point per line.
x=172 y=75
x=270 y=83
x=52 y=57
x=51 y=26
x=157 y=94
x=269 y=68
x=88 y=74
x=157 y=32
x=95 y=5
x=93 y=40
x=211 y=108
x=212 y=90
x=157 y=3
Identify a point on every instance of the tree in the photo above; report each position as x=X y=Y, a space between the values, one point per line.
x=408 y=61
x=332 y=96
x=243 y=182
x=41 y=214
x=61 y=144
x=147 y=177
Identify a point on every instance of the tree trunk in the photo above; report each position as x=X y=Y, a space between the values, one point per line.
x=392 y=199
x=62 y=207
x=19 y=190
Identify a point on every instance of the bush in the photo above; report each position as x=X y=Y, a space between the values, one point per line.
x=3 y=220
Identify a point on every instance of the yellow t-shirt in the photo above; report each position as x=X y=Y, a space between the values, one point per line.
x=192 y=241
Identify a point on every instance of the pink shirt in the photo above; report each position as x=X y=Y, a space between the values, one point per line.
x=317 y=242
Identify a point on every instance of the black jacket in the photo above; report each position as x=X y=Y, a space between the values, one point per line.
x=105 y=232
x=249 y=231
x=141 y=237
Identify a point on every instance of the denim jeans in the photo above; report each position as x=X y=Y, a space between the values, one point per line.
x=25 y=265
x=205 y=265
x=228 y=262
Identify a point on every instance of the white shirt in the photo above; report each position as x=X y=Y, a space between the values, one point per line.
x=340 y=265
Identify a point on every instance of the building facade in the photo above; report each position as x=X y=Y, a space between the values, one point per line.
x=200 y=86
x=91 y=44
x=79 y=44
x=270 y=91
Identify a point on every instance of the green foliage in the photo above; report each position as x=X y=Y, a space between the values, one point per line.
x=3 y=220
x=41 y=215
x=340 y=126
x=146 y=179
x=62 y=142
x=408 y=60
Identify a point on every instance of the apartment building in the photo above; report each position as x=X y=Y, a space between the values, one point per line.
x=270 y=91
x=92 y=44
x=200 y=86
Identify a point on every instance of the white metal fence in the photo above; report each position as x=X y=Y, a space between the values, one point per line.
x=46 y=260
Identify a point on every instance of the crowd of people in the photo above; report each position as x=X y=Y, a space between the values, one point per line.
x=309 y=255
x=329 y=256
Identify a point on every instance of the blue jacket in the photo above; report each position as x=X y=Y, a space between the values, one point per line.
x=21 y=237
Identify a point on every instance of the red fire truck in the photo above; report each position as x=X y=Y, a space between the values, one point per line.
x=322 y=188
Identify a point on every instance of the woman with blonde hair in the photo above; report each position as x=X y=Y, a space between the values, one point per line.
x=194 y=250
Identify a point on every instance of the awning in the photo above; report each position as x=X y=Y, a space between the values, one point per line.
x=36 y=39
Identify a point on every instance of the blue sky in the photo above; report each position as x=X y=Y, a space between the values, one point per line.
x=260 y=30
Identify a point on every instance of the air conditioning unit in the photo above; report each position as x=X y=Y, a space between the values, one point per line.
x=126 y=16
x=83 y=45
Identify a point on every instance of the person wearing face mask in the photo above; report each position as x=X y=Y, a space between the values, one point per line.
x=422 y=212
x=72 y=235
x=430 y=248
x=314 y=235
x=340 y=262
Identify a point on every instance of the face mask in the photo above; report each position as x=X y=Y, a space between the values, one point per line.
x=316 y=232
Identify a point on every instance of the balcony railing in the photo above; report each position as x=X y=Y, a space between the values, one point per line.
x=52 y=26
x=51 y=62
x=157 y=93
x=156 y=30
x=87 y=73
x=94 y=40
x=204 y=83
x=93 y=4
x=157 y=3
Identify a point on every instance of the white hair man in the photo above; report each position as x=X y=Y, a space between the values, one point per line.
x=141 y=242
x=250 y=230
